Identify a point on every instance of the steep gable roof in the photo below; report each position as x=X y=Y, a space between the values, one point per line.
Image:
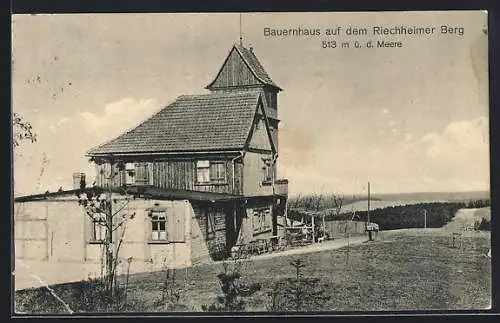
x=262 y=110
x=253 y=64
x=207 y=122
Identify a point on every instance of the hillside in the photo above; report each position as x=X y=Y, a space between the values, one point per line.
x=410 y=269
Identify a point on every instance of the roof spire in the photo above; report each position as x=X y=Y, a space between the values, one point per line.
x=241 y=37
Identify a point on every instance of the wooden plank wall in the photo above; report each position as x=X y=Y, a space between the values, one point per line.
x=181 y=175
x=235 y=72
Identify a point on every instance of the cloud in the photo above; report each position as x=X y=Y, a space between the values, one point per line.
x=81 y=132
x=385 y=111
x=307 y=179
x=457 y=139
x=55 y=127
x=460 y=152
x=408 y=137
x=118 y=117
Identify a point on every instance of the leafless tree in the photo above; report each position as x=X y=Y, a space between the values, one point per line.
x=22 y=130
x=108 y=212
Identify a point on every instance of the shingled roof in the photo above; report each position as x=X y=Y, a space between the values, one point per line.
x=255 y=65
x=208 y=122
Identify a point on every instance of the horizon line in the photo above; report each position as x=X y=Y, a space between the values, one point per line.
x=391 y=193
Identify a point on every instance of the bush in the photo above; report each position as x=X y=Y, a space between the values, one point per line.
x=232 y=292
x=298 y=293
x=400 y=217
x=84 y=296
x=483 y=225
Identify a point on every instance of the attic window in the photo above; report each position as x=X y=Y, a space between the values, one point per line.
x=267 y=170
x=257 y=124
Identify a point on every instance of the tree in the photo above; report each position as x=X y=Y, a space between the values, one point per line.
x=22 y=130
x=233 y=292
x=98 y=204
x=299 y=293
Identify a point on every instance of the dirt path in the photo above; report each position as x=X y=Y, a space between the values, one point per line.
x=464 y=219
x=315 y=247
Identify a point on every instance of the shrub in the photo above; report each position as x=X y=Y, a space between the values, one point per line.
x=399 y=217
x=85 y=296
x=233 y=292
x=483 y=225
x=299 y=293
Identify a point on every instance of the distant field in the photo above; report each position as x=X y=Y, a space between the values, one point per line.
x=381 y=201
x=483 y=213
x=378 y=201
x=435 y=196
x=363 y=205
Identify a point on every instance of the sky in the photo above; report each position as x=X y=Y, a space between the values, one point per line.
x=408 y=119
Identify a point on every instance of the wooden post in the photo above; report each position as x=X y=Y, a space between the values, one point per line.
x=324 y=226
x=370 y=238
x=368 y=213
x=312 y=224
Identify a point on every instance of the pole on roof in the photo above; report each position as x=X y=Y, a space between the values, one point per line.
x=241 y=37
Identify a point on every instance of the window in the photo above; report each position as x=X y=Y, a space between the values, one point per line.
x=130 y=173
x=166 y=225
x=158 y=226
x=261 y=220
x=210 y=171
x=210 y=224
x=137 y=173
x=142 y=173
x=217 y=172
x=99 y=228
x=203 y=171
x=267 y=170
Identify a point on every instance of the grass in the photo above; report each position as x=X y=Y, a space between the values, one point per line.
x=399 y=271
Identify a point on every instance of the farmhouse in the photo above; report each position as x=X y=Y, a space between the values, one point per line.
x=202 y=174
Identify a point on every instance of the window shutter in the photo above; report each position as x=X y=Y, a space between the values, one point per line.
x=178 y=222
x=88 y=228
x=171 y=226
x=147 y=234
x=142 y=173
x=179 y=226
